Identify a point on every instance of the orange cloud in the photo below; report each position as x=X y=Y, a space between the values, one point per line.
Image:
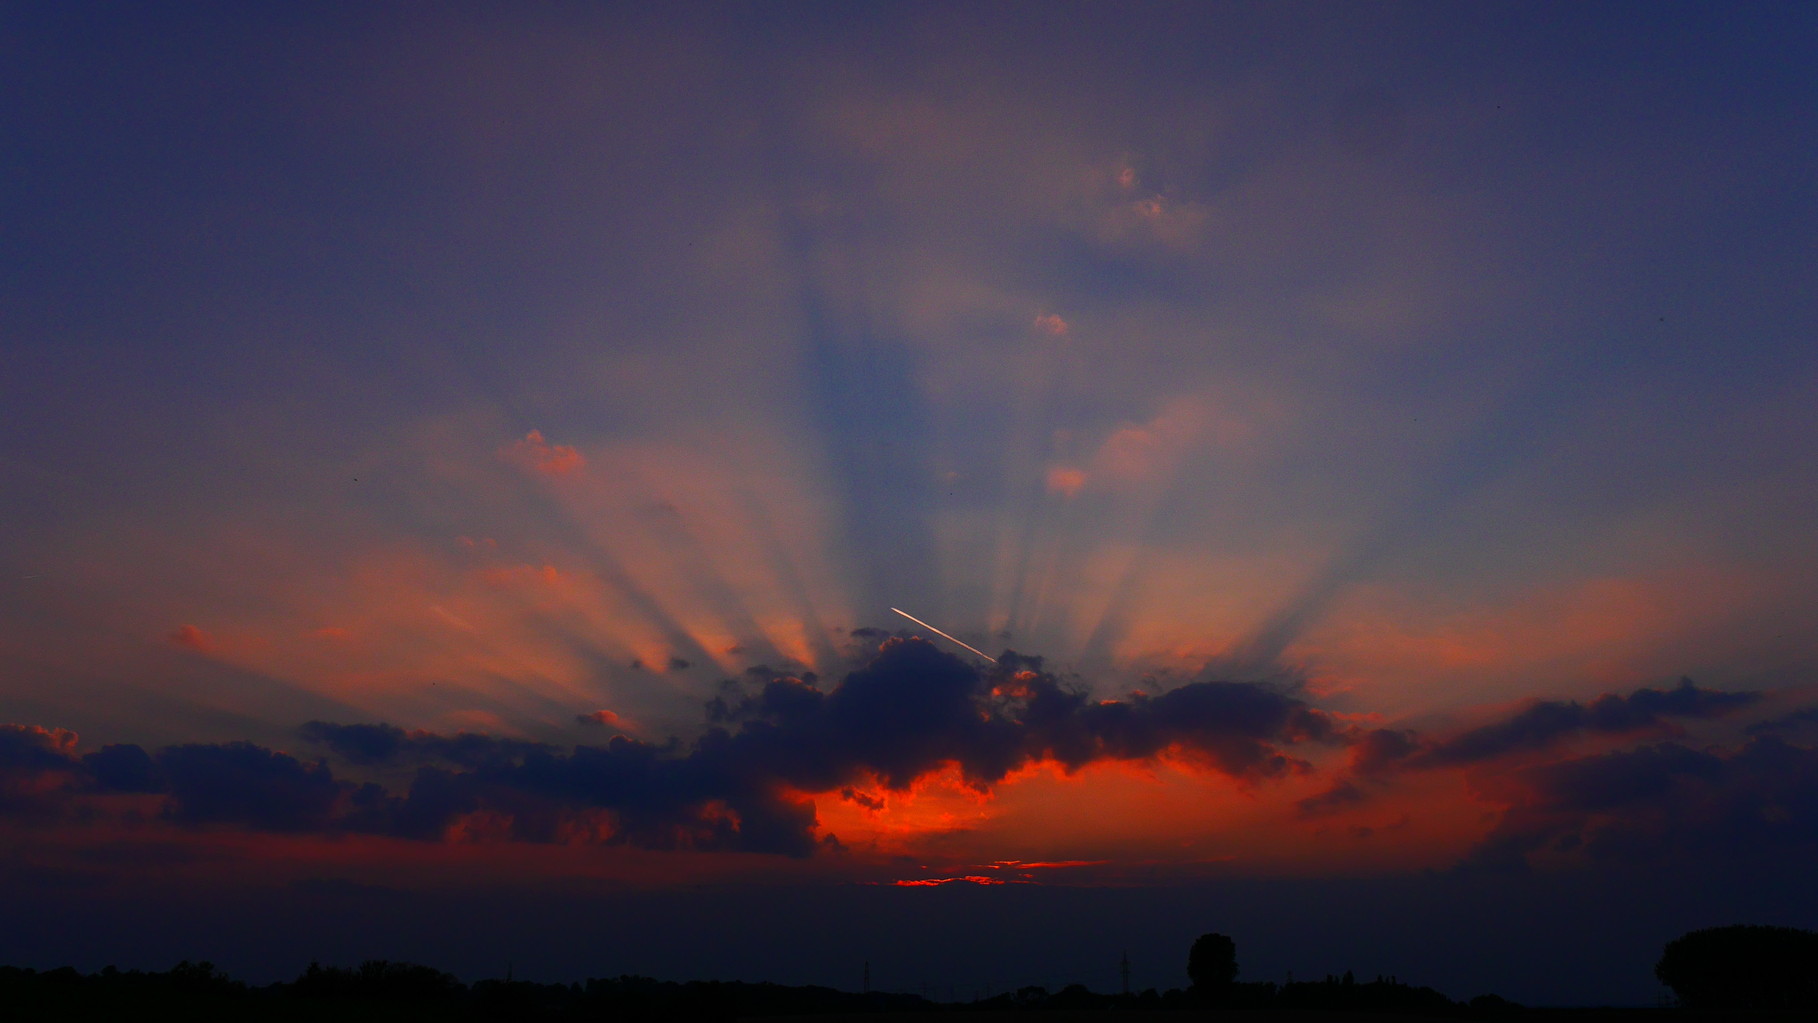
x=891 y=820
x=538 y=455
x=1065 y=480
x=1051 y=323
x=1162 y=819
x=192 y=638
x=1152 y=449
x=603 y=718
x=1592 y=634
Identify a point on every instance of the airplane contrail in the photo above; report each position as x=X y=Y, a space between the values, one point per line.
x=943 y=635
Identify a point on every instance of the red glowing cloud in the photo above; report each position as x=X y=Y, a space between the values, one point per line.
x=603 y=719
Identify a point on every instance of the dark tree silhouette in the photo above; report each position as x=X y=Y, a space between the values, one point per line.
x=378 y=979
x=1742 y=967
x=1212 y=964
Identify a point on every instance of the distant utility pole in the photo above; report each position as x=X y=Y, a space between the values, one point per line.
x=1124 y=968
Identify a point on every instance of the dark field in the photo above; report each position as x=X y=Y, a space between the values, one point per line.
x=1584 y=1015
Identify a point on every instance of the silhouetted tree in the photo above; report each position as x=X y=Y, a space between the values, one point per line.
x=1212 y=964
x=378 y=980
x=1742 y=967
x=1074 y=996
x=199 y=977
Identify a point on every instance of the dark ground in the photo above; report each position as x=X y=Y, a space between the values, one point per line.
x=1587 y=1015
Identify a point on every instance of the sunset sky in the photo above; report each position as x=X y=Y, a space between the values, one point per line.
x=459 y=461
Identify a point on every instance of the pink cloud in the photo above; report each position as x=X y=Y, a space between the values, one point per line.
x=1154 y=219
x=538 y=455
x=1051 y=323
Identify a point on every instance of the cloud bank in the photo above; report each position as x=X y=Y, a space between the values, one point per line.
x=746 y=784
x=773 y=743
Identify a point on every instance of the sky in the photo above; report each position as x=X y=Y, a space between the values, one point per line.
x=461 y=460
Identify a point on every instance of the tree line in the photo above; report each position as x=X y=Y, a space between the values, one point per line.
x=399 y=992
x=1725 y=968
x=1742 y=967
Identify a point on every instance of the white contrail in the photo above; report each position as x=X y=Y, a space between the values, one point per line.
x=943 y=635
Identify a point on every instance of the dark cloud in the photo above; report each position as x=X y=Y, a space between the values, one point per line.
x=1340 y=796
x=236 y=783
x=1545 y=723
x=29 y=749
x=372 y=744
x=1382 y=750
x=915 y=708
x=744 y=784
x=854 y=795
x=772 y=744
x=910 y=711
x=358 y=744
x=1378 y=754
x=124 y=768
x=241 y=783
x=1659 y=802
x=1799 y=720
x=1236 y=727
x=35 y=765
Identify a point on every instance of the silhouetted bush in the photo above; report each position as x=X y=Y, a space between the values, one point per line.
x=1379 y=995
x=1742 y=967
